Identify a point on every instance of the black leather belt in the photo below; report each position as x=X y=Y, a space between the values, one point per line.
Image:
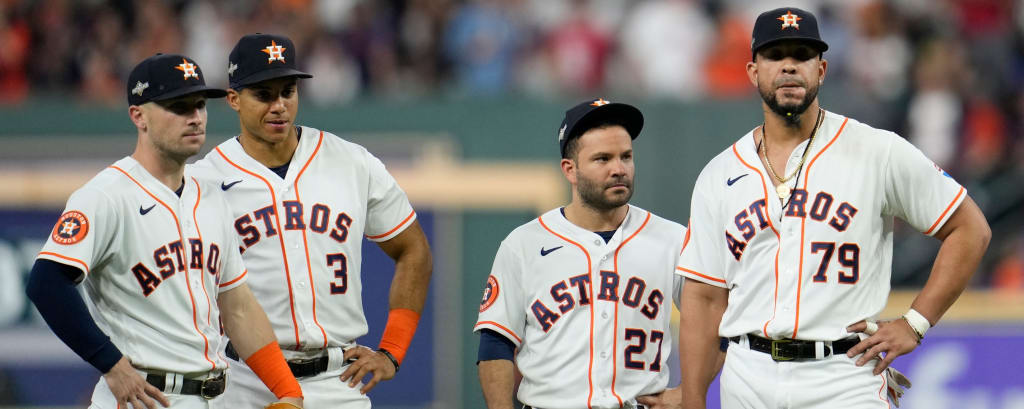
x=300 y=367
x=790 y=349
x=207 y=388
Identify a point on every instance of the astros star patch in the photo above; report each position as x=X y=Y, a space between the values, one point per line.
x=275 y=52
x=71 y=228
x=490 y=293
x=188 y=68
x=790 y=20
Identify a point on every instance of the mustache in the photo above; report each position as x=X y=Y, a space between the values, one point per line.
x=794 y=80
x=620 y=181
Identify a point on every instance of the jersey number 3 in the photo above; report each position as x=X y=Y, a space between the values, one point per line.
x=339 y=263
x=638 y=348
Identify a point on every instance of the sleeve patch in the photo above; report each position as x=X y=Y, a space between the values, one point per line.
x=71 y=228
x=490 y=293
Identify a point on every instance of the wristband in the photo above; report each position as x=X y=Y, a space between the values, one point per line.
x=918 y=322
x=269 y=365
x=398 y=332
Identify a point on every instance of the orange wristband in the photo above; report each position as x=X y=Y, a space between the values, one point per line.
x=269 y=365
x=398 y=332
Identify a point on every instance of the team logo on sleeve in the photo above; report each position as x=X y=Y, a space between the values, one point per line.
x=490 y=293
x=71 y=228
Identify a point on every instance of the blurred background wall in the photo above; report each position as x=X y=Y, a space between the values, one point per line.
x=462 y=100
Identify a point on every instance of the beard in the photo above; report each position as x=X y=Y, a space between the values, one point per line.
x=791 y=113
x=592 y=192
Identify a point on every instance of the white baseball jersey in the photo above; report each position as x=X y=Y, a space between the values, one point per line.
x=154 y=264
x=823 y=262
x=301 y=237
x=590 y=319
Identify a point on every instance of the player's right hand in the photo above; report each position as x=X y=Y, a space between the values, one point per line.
x=366 y=361
x=671 y=398
x=893 y=338
x=130 y=388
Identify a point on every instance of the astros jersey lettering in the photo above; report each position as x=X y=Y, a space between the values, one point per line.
x=590 y=319
x=154 y=264
x=827 y=256
x=301 y=236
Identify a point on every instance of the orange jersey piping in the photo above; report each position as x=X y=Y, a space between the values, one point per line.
x=305 y=243
x=943 y=215
x=513 y=334
x=188 y=285
x=404 y=221
x=767 y=208
x=686 y=270
x=615 y=339
x=803 y=224
x=593 y=301
x=280 y=237
x=63 y=257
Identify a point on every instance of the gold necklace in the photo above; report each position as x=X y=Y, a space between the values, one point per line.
x=783 y=190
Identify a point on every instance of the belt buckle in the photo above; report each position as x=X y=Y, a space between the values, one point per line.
x=776 y=354
x=211 y=387
x=305 y=361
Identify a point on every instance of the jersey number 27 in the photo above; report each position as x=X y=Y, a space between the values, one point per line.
x=640 y=346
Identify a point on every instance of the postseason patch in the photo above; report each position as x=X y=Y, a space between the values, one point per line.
x=490 y=293
x=71 y=228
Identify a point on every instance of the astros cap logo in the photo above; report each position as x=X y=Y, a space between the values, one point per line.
x=275 y=52
x=71 y=228
x=188 y=68
x=599 y=102
x=490 y=293
x=789 y=20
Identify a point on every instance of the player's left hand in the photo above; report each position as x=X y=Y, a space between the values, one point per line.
x=671 y=398
x=367 y=361
x=893 y=338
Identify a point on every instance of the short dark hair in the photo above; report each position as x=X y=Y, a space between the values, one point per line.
x=572 y=145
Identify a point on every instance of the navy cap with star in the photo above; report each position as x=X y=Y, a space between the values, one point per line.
x=260 y=57
x=166 y=76
x=786 y=23
x=585 y=115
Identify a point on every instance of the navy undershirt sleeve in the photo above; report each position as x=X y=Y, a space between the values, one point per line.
x=494 y=346
x=51 y=287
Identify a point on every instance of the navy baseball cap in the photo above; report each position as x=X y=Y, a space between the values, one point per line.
x=581 y=118
x=166 y=76
x=260 y=57
x=786 y=23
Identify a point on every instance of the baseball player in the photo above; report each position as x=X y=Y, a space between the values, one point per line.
x=160 y=268
x=580 y=297
x=301 y=201
x=790 y=248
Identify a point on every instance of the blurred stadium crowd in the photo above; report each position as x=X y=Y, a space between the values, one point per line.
x=946 y=74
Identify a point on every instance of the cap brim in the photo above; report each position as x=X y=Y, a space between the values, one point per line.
x=628 y=115
x=210 y=92
x=269 y=75
x=818 y=44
